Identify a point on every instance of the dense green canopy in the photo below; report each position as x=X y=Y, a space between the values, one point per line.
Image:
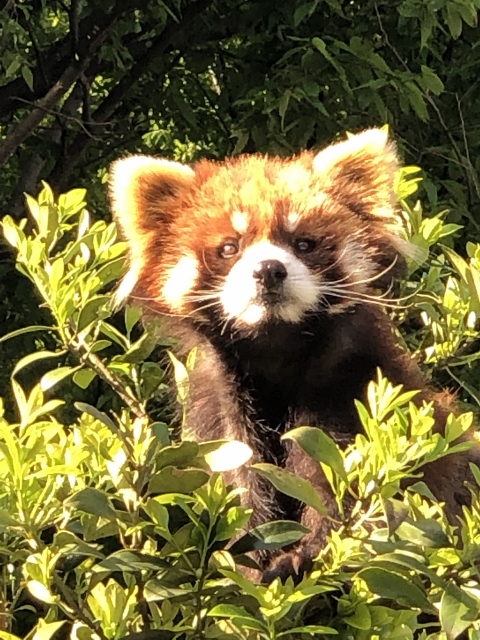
x=85 y=82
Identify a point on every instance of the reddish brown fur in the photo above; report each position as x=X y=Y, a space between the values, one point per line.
x=254 y=383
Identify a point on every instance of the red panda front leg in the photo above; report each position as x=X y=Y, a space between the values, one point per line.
x=299 y=560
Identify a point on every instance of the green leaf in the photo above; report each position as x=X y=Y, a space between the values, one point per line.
x=271 y=535
x=311 y=629
x=319 y=446
x=173 y=480
x=53 y=377
x=21 y=401
x=12 y=232
x=140 y=350
x=395 y=587
x=72 y=545
x=21 y=332
x=84 y=377
x=158 y=590
x=246 y=585
x=292 y=485
x=6 y=519
x=129 y=561
x=396 y=512
x=83 y=407
x=416 y=99
x=430 y=81
x=428 y=533
x=454 y=20
x=305 y=593
x=458 y=610
x=283 y=106
x=151 y=377
x=181 y=378
x=35 y=357
x=132 y=316
x=27 y=75
x=234 y=520
x=72 y=201
x=11 y=451
x=177 y=455
x=45 y=630
x=361 y=619
x=161 y=433
x=93 y=501
x=238 y=616
x=158 y=513
x=95 y=309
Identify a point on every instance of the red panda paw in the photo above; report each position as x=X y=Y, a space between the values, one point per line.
x=292 y=564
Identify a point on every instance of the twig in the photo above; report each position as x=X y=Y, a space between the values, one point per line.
x=94 y=362
x=64 y=592
x=63 y=116
x=24 y=128
x=465 y=144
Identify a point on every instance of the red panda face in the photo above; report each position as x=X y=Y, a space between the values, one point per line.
x=256 y=240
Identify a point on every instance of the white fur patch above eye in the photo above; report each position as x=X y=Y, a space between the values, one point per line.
x=293 y=219
x=239 y=221
x=181 y=279
x=240 y=298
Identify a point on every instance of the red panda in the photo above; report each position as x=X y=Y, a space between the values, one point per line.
x=272 y=268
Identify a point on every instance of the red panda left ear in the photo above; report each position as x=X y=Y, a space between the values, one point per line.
x=360 y=172
x=145 y=194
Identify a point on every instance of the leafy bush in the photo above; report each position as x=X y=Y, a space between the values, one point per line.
x=111 y=526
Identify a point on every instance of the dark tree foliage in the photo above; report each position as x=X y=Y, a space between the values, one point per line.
x=86 y=82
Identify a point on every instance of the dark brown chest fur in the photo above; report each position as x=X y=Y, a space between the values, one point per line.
x=256 y=388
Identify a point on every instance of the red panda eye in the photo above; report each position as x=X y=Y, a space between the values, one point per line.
x=304 y=245
x=228 y=249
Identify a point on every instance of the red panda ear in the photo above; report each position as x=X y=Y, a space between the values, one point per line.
x=360 y=172
x=142 y=190
x=145 y=194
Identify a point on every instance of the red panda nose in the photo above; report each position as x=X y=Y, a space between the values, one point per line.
x=270 y=273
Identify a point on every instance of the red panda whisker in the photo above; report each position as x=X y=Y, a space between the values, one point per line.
x=358 y=297
x=342 y=290
x=204 y=260
x=203 y=308
x=367 y=280
x=334 y=263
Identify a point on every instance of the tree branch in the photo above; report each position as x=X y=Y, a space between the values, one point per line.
x=24 y=128
x=60 y=173
x=57 y=58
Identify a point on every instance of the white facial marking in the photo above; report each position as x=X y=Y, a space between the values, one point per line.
x=293 y=219
x=239 y=296
x=239 y=221
x=181 y=280
x=356 y=264
x=359 y=277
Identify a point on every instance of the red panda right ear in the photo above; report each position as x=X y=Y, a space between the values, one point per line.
x=144 y=194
